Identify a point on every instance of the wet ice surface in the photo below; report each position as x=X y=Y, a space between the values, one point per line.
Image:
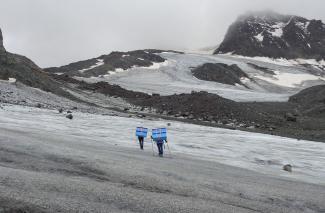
x=175 y=77
x=262 y=153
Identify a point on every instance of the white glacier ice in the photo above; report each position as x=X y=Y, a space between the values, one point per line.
x=263 y=153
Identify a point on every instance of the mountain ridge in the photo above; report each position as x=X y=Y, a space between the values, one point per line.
x=269 y=34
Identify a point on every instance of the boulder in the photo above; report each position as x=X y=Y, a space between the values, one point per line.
x=287 y=168
x=69 y=116
x=290 y=117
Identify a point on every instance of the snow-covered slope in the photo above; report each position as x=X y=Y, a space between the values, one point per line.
x=258 y=152
x=270 y=80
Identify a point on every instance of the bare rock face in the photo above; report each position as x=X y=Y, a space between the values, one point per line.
x=274 y=35
x=1 y=42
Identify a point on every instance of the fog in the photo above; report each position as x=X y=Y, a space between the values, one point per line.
x=57 y=32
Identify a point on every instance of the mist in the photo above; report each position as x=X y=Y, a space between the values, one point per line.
x=57 y=32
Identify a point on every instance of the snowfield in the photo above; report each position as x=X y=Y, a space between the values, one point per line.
x=174 y=76
x=92 y=163
x=258 y=152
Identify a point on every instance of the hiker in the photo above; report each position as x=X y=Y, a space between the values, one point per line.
x=160 y=142
x=140 y=138
x=141 y=133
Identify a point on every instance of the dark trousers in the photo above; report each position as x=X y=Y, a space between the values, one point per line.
x=141 y=142
x=160 y=148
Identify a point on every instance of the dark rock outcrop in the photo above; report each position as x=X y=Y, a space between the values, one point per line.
x=311 y=96
x=2 y=49
x=274 y=35
x=311 y=101
x=221 y=73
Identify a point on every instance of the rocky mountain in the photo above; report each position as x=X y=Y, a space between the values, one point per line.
x=274 y=35
x=110 y=64
x=26 y=71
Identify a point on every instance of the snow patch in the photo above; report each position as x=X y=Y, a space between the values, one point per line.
x=157 y=65
x=100 y=62
x=245 y=80
x=282 y=61
x=289 y=79
x=12 y=80
x=259 y=37
x=277 y=61
x=117 y=70
x=303 y=26
x=277 y=29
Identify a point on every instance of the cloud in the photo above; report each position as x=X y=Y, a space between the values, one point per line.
x=56 y=32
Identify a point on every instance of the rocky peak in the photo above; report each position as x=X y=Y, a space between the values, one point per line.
x=274 y=35
x=1 y=38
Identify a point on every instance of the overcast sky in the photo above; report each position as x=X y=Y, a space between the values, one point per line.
x=57 y=32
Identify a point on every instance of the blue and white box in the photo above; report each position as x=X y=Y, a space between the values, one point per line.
x=141 y=132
